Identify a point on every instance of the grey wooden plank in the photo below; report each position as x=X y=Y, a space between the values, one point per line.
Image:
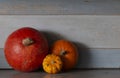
x=91 y=30
x=69 y=74
x=88 y=58
x=99 y=58
x=58 y=7
x=3 y=63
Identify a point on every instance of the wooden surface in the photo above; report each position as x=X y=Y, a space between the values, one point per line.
x=90 y=30
x=58 y=7
x=99 y=35
x=70 y=74
x=88 y=58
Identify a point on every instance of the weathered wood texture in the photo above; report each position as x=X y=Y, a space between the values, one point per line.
x=70 y=74
x=88 y=58
x=89 y=7
x=93 y=31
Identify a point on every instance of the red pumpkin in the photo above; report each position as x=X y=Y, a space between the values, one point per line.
x=25 y=49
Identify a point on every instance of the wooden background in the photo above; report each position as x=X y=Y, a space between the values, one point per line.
x=92 y=25
x=58 y=7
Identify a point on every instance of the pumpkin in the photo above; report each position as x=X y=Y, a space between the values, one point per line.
x=52 y=64
x=25 y=49
x=67 y=51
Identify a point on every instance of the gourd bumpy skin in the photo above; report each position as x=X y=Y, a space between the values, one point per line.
x=52 y=64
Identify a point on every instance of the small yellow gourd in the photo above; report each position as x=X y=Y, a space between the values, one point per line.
x=52 y=64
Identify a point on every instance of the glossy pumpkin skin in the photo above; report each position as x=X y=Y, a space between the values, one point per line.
x=52 y=64
x=67 y=51
x=25 y=49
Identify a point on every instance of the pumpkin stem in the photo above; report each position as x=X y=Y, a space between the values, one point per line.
x=63 y=52
x=27 y=41
x=52 y=62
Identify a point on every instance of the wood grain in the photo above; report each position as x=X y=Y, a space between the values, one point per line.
x=60 y=7
x=91 y=30
x=88 y=58
x=69 y=74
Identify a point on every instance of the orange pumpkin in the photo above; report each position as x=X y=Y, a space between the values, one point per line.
x=67 y=51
